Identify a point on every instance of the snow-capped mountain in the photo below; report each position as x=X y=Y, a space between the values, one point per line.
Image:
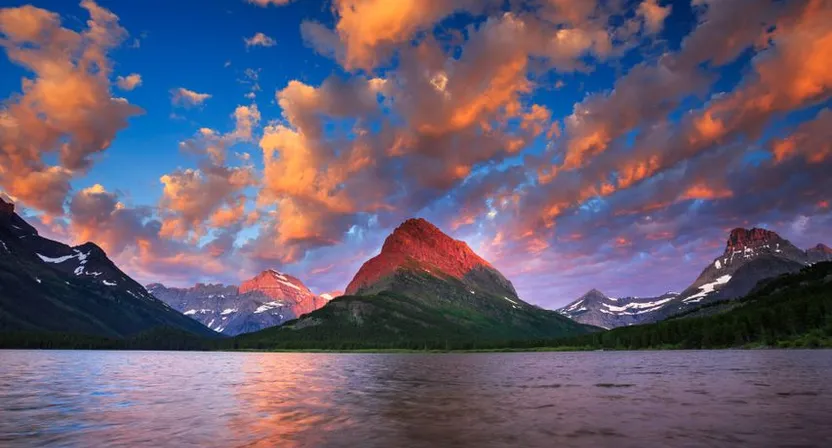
x=49 y=286
x=750 y=255
x=598 y=309
x=266 y=300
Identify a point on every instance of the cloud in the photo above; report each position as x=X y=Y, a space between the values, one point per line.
x=653 y=15
x=129 y=82
x=65 y=109
x=194 y=201
x=132 y=237
x=259 y=39
x=267 y=3
x=812 y=140
x=187 y=98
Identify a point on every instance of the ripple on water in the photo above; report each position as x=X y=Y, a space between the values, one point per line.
x=626 y=399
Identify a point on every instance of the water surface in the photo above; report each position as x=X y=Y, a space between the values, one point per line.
x=134 y=399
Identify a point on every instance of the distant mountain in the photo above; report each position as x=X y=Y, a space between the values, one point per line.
x=598 y=309
x=791 y=310
x=819 y=253
x=424 y=285
x=271 y=298
x=750 y=255
x=49 y=286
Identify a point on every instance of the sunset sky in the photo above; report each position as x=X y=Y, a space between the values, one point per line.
x=572 y=143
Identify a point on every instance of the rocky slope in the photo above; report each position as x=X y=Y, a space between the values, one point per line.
x=750 y=255
x=269 y=299
x=424 y=285
x=49 y=286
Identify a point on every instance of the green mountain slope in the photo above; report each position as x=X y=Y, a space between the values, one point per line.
x=424 y=290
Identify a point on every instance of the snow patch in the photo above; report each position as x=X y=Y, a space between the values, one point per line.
x=109 y=283
x=189 y=312
x=289 y=284
x=38 y=280
x=55 y=260
x=268 y=306
x=706 y=289
x=228 y=311
x=326 y=296
x=512 y=301
x=575 y=305
x=717 y=264
x=472 y=292
x=4 y=246
x=636 y=307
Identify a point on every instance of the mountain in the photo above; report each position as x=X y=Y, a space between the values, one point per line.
x=819 y=253
x=49 y=286
x=598 y=309
x=286 y=288
x=790 y=310
x=269 y=299
x=750 y=255
x=422 y=286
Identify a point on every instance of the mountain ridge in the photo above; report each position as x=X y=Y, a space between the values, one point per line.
x=46 y=285
x=268 y=299
x=750 y=255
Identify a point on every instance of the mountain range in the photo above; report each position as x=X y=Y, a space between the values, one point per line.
x=750 y=255
x=51 y=287
x=269 y=299
x=423 y=285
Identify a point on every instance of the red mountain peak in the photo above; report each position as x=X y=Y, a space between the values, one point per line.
x=418 y=240
x=741 y=238
x=284 y=287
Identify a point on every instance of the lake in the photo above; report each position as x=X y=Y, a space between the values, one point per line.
x=672 y=398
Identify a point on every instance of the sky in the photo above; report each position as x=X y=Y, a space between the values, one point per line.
x=574 y=144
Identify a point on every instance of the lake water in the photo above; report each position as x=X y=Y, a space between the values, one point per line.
x=135 y=399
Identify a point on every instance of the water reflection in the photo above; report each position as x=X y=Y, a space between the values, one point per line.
x=753 y=398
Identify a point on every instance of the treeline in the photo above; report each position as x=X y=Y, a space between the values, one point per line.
x=163 y=338
x=789 y=311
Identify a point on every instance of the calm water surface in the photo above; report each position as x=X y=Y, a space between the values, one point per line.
x=134 y=399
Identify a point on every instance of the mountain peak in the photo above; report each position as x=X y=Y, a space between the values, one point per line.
x=594 y=293
x=6 y=208
x=283 y=287
x=740 y=238
x=822 y=248
x=417 y=240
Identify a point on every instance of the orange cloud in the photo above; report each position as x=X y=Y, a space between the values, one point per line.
x=259 y=40
x=187 y=98
x=653 y=15
x=812 y=140
x=66 y=108
x=192 y=197
x=703 y=191
x=368 y=28
x=129 y=82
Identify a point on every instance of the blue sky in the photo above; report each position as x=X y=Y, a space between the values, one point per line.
x=357 y=78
